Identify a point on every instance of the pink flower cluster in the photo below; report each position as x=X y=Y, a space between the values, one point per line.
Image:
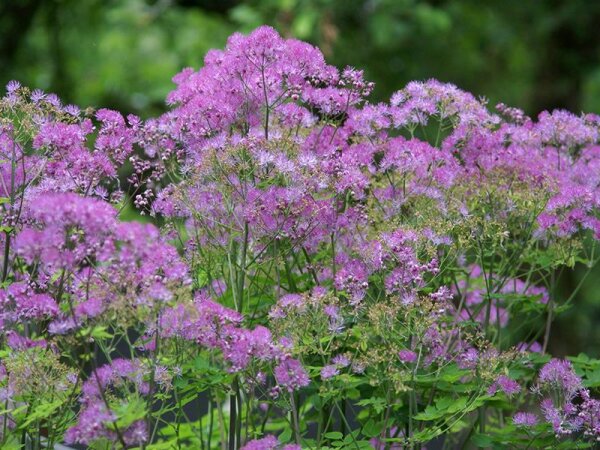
x=97 y=420
x=283 y=193
x=567 y=406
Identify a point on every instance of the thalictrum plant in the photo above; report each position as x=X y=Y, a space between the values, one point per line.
x=320 y=271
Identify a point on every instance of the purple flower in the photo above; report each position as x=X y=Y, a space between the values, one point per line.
x=468 y=359
x=12 y=86
x=291 y=375
x=589 y=414
x=336 y=321
x=72 y=110
x=69 y=230
x=525 y=419
x=407 y=356
x=329 y=371
x=286 y=304
x=259 y=69
x=507 y=385
x=552 y=415
x=266 y=443
x=95 y=420
x=340 y=361
x=92 y=425
x=18 y=342
x=37 y=95
x=53 y=100
x=137 y=433
x=534 y=347
x=353 y=277
x=559 y=374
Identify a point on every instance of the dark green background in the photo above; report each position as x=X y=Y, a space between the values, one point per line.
x=533 y=54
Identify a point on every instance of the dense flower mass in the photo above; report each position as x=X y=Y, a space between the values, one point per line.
x=96 y=417
x=64 y=230
x=321 y=271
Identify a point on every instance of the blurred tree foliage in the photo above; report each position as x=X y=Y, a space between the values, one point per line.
x=120 y=54
x=538 y=55
x=541 y=54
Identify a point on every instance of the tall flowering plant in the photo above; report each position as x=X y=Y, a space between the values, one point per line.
x=321 y=271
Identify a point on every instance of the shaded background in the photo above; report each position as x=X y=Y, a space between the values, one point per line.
x=121 y=54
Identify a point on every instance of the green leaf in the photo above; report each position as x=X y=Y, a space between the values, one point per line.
x=372 y=428
x=286 y=435
x=12 y=443
x=377 y=403
x=201 y=363
x=201 y=278
x=334 y=435
x=100 y=444
x=453 y=373
x=592 y=379
x=427 y=434
x=42 y=411
x=99 y=332
x=130 y=412
x=444 y=406
x=482 y=440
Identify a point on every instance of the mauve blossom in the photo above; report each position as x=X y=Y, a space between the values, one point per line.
x=559 y=374
x=407 y=356
x=507 y=385
x=525 y=419
x=329 y=371
x=291 y=375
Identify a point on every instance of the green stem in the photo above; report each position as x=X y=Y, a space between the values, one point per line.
x=295 y=421
x=233 y=415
